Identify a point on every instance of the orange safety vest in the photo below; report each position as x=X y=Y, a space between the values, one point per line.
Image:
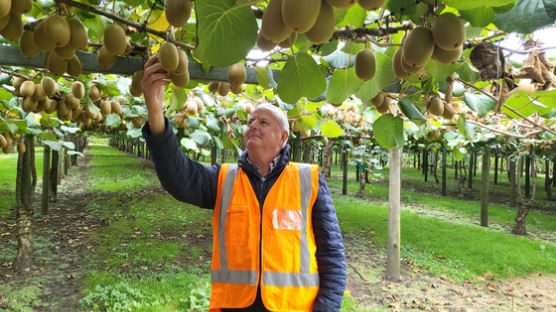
x=290 y=279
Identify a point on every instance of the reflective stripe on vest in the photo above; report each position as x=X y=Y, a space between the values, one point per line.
x=282 y=279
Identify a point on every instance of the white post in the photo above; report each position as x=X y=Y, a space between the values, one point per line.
x=393 y=257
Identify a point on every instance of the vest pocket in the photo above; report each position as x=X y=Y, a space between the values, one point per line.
x=237 y=226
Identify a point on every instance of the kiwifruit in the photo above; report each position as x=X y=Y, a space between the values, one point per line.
x=5 y=7
x=418 y=47
x=39 y=93
x=385 y=107
x=378 y=100
x=168 y=56
x=21 y=148
x=263 y=44
x=128 y=48
x=342 y=4
x=55 y=64
x=272 y=23
x=115 y=108
x=237 y=74
x=365 y=64
x=9 y=140
x=224 y=88
x=14 y=28
x=177 y=12
x=446 y=56
x=435 y=106
x=306 y=133
x=94 y=93
x=322 y=30
x=191 y=108
x=289 y=41
x=3 y=142
x=78 y=34
x=47 y=106
x=71 y=101
x=105 y=107
x=448 y=31
x=114 y=39
x=397 y=66
x=249 y=108
x=178 y=118
x=22 y=6
x=27 y=88
x=183 y=63
x=27 y=45
x=180 y=80
x=78 y=89
x=42 y=41
x=448 y=111
x=410 y=69
x=17 y=82
x=135 y=87
x=62 y=107
x=371 y=5
x=74 y=67
x=300 y=15
x=105 y=58
x=236 y=89
x=66 y=52
x=526 y=86
x=29 y=104
x=4 y=20
x=51 y=107
x=89 y=112
x=58 y=30
x=49 y=86
x=213 y=86
x=199 y=103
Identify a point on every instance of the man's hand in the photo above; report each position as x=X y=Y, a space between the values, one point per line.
x=154 y=80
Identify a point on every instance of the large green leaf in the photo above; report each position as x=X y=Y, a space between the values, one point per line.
x=262 y=77
x=479 y=103
x=226 y=31
x=388 y=131
x=200 y=137
x=178 y=98
x=331 y=129
x=472 y=4
x=527 y=16
x=339 y=59
x=464 y=128
x=547 y=98
x=113 y=120
x=354 y=17
x=408 y=109
x=342 y=85
x=478 y=17
x=440 y=71
x=300 y=77
x=526 y=106
x=383 y=77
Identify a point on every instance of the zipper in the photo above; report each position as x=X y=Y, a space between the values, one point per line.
x=263 y=179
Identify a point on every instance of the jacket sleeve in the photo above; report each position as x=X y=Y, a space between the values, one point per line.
x=330 y=254
x=185 y=179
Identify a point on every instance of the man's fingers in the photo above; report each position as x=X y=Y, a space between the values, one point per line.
x=149 y=80
x=151 y=61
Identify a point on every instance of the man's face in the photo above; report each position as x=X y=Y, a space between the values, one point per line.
x=264 y=133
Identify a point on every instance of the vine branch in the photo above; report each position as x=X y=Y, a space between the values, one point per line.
x=353 y=34
x=508 y=134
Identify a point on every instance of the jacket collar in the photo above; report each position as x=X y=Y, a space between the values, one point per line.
x=279 y=163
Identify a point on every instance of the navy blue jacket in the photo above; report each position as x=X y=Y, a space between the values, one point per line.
x=191 y=182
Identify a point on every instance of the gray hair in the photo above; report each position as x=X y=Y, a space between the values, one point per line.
x=280 y=115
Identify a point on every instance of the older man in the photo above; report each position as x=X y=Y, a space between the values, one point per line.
x=277 y=245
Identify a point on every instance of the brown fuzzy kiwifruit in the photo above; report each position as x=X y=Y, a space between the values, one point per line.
x=397 y=66
x=78 y=34
x=66 y=52
x=5 y=7
x=58 y=30
x=4 y=20
x=410 y=69
x=168 y=56
x=27 y=88
x=115 y=108
x=448 y=31
x=249 y=108
x=27 y=45
x=177 y=12
x=51 y=106
x=49 y=86
x=14 y=28
x=371 y=5
x=105 y=107
x=183 y=63
x=128 y=49
x=114 y=39
x=55 y=64
x=180 y=80
x=29 y=104
x=191 y=108
x=105 y=58
x=135 y=88
x=72 y=101
x=448 y=111
x=306 y=133
x=78 y=89
x=300 y=15
x=3 y=142
x=42 y=41
x=342 y=4
x=39 y=93
x=264 y=44
x=289 y=41
x=418 y=47
x=365 y=64
x=385 y=107
x=17 y=82
x=223 y=88
x=435 y=106
x=74 y=67
x=236 y=89
x=323 y=29
x=213 y=86
x=237 y=74
x=378 y=100
x=94 y=93
x=272 y=24
x=446 y=56
x=21 y=148
x=22 y=6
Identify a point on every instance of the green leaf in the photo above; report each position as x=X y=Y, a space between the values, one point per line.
x=93 y=108
x=31 y=122
x=408 y=109
x=440 y=71
x=200 y=137
x=302 y=43
x=331 y=129
x=189 y=145
x=527 y=16
x=464 y=128
x=472 y=4
x=355 y=17
x=300 y=77
x=479 y=103
x=383 y=77
x=342 y=85
x=526 y=106
x=227 y=30
x=213 y=123
x=262 y=77
x=478 y=17
x=388 y=131
x=113 y=120
x=178 y=98
x=339 y=59
x=306 y=122
x=547 y=98
x=459 y=153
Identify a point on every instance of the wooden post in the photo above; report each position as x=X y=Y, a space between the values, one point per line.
x=345 y=172
x=495 y=169
x=512 y=178
x=54 y=175
x=393 y=256
x=547 y=180
x=45 y=180
x=527 y=173
x=444 y=190
x=31 y=147
x=426 y=164
x=484 y=186
x=472 y=161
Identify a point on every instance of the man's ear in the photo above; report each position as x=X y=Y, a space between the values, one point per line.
x=284 y=137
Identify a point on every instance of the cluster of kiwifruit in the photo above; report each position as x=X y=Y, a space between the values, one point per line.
x=7 y=141
x=177 y=12
x=175 y=62
x=236 y=77
x=11 y=23
x=115 y=43
x=135 y=88
x=443 y=43
x=382 y=102
x=437 y=107
x=191 y=107
x=283 y=19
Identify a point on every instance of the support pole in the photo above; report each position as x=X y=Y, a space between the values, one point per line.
x=484 y=186
x=393 y=256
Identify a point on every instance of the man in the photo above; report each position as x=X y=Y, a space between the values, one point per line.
x=277 y=245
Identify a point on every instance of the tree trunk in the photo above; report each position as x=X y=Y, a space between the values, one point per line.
x=518 y=182
x=362 y=180
x=456 y=170
x=54 y=176
x=23 y=260
x=31 y=147
x=66 y=162
x=45 y=180
x=444 y=171
x=327 y=156
x=484 y=186
x=512 y=178
x=547 y=180
x=223 y=159
x=307 y=153
x=435 y=167
x=213 y=155
x=527 y=173
x=495 y=169
x=475 y=164
x=18 y=179
x=426 y=164
x=554 y=172
x=533 y=176
x=393 y=250
x=472 y=161
x=418 y=160
x=345 y=174
x=296 y=150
